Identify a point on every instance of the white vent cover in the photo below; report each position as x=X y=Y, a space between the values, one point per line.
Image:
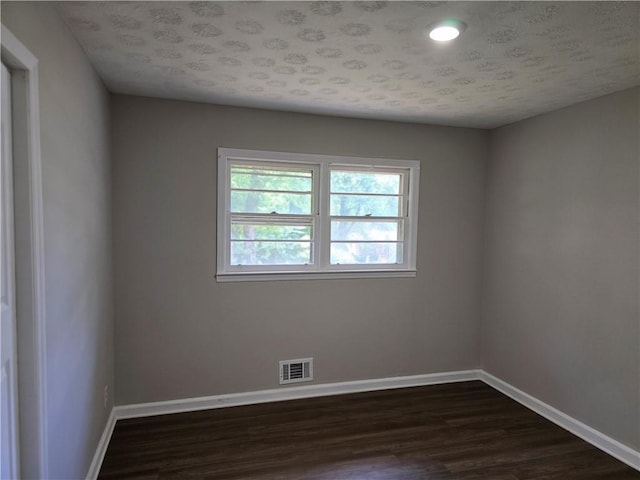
x=299 y=370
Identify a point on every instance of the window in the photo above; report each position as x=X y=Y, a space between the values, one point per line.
x=286 y=215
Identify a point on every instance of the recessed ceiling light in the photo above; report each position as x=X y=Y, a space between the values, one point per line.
x=446 y=30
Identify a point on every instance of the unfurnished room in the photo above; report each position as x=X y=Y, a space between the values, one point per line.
x=320 y=240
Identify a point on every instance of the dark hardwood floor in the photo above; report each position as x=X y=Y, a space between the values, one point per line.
x=456 y=431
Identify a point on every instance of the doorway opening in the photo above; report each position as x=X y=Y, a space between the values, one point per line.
x=29 y=416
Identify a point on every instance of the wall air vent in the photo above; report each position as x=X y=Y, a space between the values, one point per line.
x=299 y=370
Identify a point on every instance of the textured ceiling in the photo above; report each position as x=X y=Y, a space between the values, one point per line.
x=365 y=59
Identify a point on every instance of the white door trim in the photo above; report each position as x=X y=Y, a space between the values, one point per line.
x=30 y=279
x=9 y=442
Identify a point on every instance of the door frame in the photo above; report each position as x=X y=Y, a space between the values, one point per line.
x=29 y=256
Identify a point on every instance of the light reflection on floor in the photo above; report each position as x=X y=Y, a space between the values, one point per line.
x=377 y=468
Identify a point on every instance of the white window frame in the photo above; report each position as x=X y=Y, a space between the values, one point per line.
x=321 y=268
x=227 y=222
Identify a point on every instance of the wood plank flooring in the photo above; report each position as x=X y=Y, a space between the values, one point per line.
x=461 y=431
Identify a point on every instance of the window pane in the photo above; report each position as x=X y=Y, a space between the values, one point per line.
x=344 y=230
x=268 y=202
x=263 y=178
x=270 y=253
x=365 y=205
x=365 y=182
x=246 y=231
x=351 y=253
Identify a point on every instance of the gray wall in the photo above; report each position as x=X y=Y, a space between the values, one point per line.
x=181 y=334
x=560 y=317
x=74 y=108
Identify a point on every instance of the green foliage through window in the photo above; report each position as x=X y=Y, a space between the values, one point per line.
x=272 y=240
x=365 y=194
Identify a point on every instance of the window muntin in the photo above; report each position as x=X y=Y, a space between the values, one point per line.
x=283 y=213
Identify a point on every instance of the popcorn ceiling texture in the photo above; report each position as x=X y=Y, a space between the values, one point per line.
x=365 y=59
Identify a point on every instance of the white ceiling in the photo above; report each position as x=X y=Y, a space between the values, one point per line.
x=365 y=59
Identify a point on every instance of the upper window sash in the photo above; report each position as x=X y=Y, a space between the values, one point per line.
x=389 y=201
x=263 y=171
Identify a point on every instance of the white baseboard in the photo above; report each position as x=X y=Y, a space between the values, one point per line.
x=598 y=439
x=603 y=442
x=290 y=393
x=98 y=457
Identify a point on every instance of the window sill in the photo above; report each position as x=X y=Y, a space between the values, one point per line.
x=263 y=277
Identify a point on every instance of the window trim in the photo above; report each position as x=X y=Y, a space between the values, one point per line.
x=321 y=269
